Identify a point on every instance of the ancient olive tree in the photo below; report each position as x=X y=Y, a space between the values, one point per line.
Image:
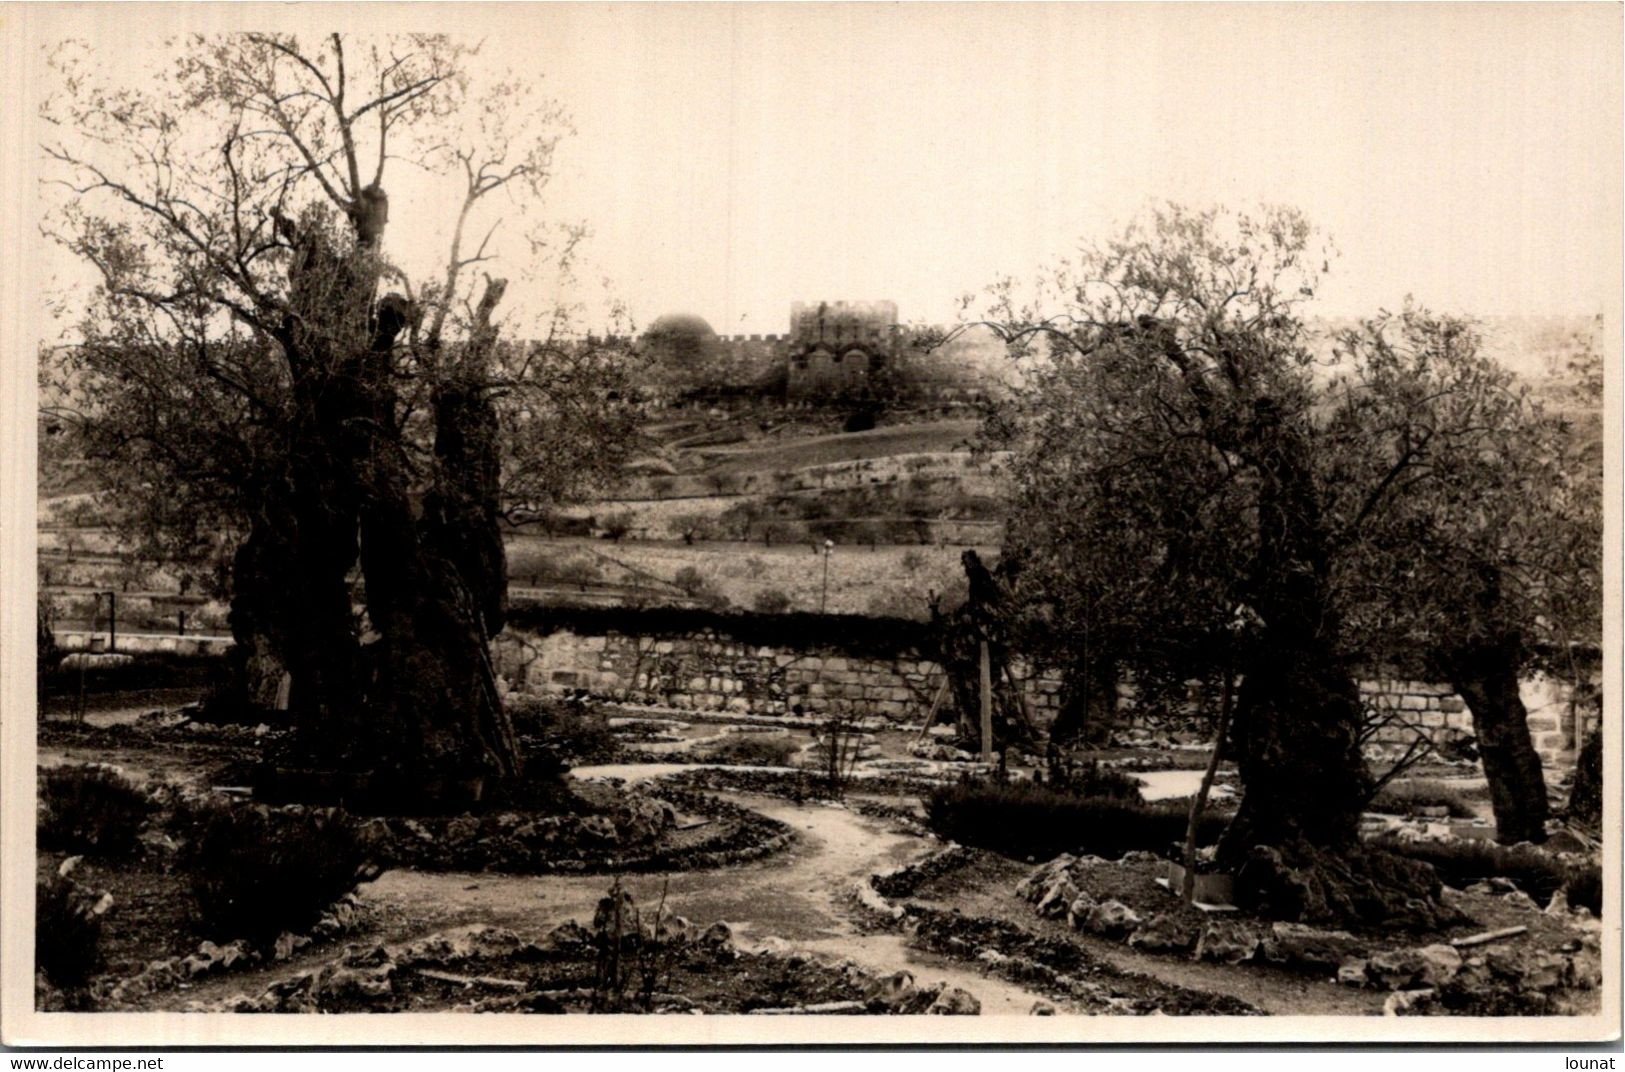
x=1475 y=554
x=1170 y=492
x=254 y=368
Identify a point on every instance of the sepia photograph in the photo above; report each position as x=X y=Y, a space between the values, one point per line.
x=1099 y=521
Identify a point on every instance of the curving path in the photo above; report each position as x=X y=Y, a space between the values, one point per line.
x=797 y=900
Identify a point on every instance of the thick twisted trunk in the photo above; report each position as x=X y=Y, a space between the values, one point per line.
x=424 y=720
x=435 y=590
x=1486 y=677
x=291 y=605
x=1298 y=715
x=1294 y=843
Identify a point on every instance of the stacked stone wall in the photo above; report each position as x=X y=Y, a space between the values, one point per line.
x=708 y=671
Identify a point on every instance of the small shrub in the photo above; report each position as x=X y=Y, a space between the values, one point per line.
x=897 y=603
x=692 y=583
x=572 y=731
x=753 y=750
x=839 y=746
x=579 y=571
x=1583 y=886
x=782 y=532
x=1403 y=796
x=1461 y=863
x=257 y=872
x=1092 y=780
x=695 y=526
x=634 y=953
x=67 y=931
x=771 y=601
x=90 y=810
x=913 y=561
x=615 y=526
x=1026 y=819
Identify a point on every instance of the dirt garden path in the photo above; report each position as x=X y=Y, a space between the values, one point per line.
x=797 y=900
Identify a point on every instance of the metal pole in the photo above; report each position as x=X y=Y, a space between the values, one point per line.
x=112 y=621
x=986 y=705
x=823 y=596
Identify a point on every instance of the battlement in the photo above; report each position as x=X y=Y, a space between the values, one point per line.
x=766 y=340
x=832 y=350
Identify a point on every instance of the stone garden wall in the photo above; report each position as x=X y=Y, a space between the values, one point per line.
x=1439 y=712
x=707 y=671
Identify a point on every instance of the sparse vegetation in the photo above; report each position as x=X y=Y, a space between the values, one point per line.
x=771 y=601
x=632 y=955
x=1030 y=820
x=1406 y=795
x=753 y=749
x=90 y=810
x=67 y=931
x=257 y=872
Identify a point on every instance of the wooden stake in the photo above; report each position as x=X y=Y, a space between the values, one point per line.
x=491 y=981
x=1488 y=936
x=936 y=705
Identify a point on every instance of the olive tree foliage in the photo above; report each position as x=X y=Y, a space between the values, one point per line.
x=1474 y=553
x=1172 y=517
x=1131 y=530
x=254 y=370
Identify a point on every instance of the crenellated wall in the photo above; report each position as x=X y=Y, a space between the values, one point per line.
x=833 y=350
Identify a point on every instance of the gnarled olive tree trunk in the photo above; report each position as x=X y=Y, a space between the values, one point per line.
x=435 y=586
x=1294 y=843
x=1298 y=715
x=418 y=707
x=1486 y=678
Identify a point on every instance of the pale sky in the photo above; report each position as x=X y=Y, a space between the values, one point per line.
x=731 y=159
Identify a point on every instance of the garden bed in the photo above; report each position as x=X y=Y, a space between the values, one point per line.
x=667 y=829
x=142 y=888
x=665 y=966
x=1063 y=969
x=1503 y=956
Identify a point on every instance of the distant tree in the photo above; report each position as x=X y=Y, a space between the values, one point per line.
x=615 y=526
x=771 y=601
x=243 y=382
x=689 y=580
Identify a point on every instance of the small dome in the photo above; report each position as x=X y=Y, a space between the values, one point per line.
x=681 y=326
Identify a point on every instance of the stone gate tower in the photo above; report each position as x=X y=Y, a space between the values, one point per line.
x=837 y=348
